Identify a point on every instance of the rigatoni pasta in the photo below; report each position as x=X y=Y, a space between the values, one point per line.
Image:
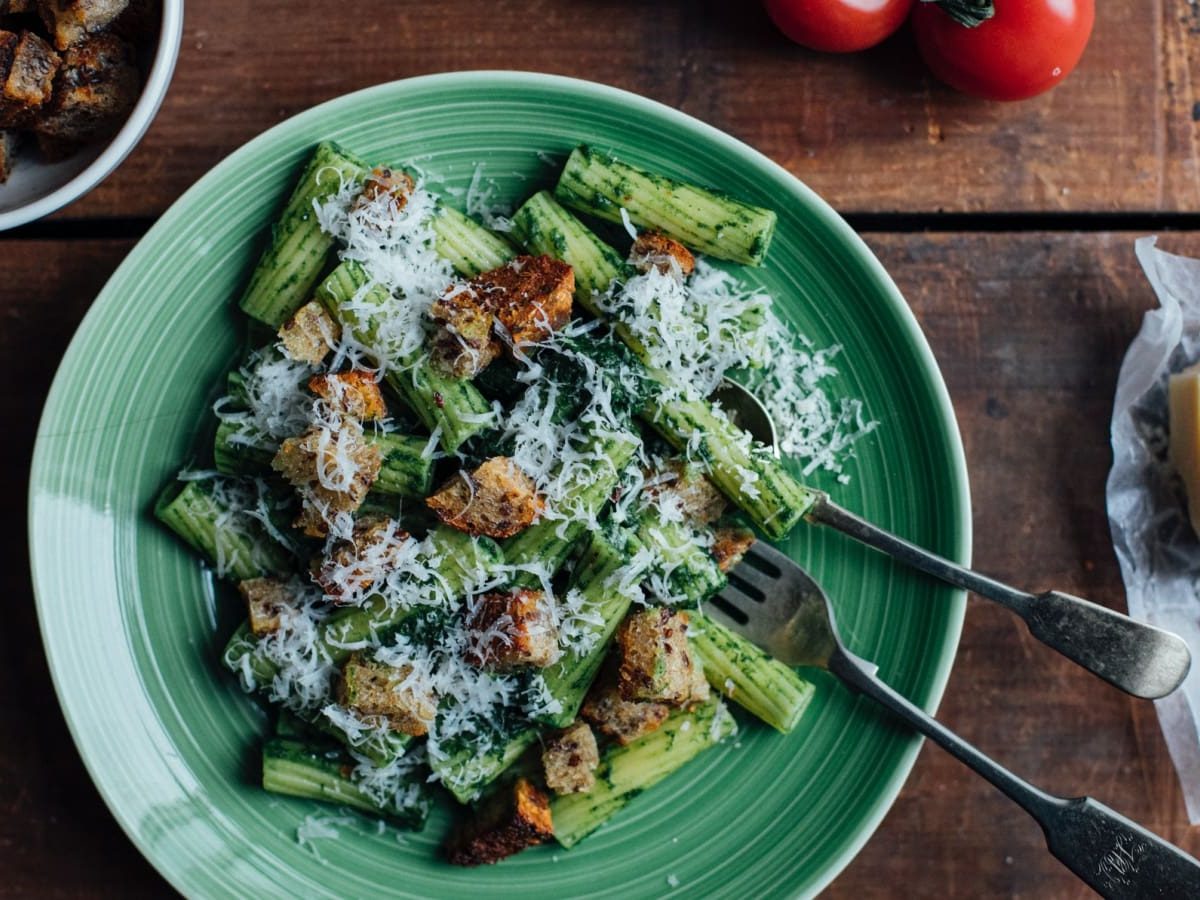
x=474 y=496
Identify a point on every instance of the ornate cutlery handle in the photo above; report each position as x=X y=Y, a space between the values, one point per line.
x=1116 y=857
x=1138 y=658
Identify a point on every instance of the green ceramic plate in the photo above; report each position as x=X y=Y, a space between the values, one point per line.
x=132 y=625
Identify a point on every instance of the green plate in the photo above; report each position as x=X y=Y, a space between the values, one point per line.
x=132 y=624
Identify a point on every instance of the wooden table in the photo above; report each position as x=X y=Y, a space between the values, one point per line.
x=1009 y=228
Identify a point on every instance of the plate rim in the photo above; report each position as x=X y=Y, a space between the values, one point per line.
x=955 y=608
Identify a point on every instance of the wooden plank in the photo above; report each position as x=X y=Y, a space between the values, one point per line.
x=1029 y=329
x=870 y=132
x=57 y=838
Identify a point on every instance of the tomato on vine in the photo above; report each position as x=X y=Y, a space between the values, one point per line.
x=838 y=26
x=1002 y=49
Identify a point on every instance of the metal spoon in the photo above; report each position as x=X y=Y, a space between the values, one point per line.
x=775 y=604
x=1137 y=658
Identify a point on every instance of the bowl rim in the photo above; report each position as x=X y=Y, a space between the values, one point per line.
x=960 y=487
x=170 y=36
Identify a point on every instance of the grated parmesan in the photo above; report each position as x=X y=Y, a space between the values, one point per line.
x=701 y=328
x=558 y=432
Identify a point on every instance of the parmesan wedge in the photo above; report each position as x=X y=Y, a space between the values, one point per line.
x=1184 y=391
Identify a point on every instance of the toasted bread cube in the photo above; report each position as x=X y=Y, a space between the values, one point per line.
x=530 y=296
x=497 y=500
x=140 y=22
x=309 y=334
x=570 y=758
x=654 y=250
x=511 y=630
x=730 y=543
x=56 y=149
x=8 y=154
x=621 y=719
x=383 y=181
x=656 y=665
x=373 y=690
x=71 y=21
x=93 y=94
x=27 y=69
x=353 y=566
x=513 y=818
x=331 y=470
x=464 y=343
x=687 y=491
x=265 y=599
x=355 y=394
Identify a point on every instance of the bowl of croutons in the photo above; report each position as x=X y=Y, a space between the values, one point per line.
x=80 y=81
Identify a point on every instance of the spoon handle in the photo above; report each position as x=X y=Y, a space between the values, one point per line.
x=1116 y=857
x=1137 y=658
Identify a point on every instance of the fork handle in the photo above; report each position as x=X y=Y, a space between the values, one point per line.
x=1115 y=856
x=1137 y=658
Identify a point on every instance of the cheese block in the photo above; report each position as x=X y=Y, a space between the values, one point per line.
x=1184 y=400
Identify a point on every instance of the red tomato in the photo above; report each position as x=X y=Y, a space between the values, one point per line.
x=1026 y=48
x=838 y=26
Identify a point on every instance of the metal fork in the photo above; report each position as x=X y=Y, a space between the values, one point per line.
x=778 y=606
x=1137 y=658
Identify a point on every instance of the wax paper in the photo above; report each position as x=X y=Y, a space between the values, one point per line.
x=1158 y=551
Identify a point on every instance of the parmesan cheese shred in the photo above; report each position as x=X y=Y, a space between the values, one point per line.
x=559 y=432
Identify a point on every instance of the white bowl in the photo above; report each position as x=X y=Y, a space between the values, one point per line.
x=36 y=188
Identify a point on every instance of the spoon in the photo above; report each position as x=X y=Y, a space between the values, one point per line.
x=1139 y=659
x=778 y=606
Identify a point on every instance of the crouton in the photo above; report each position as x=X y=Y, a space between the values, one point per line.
x=653 y=249
x=355 y=565
x=140 y=22
x=497 y=500
x=515 y=817
x=93 y=94
x=354 y=394
x=55 y=149
x=8 y=51
x=655 y=663
x=686 y=489
x=464 y=343
x=27 y=69
x=374 y=690
x=530 y=296
x=510 y=630
x=309 y=334
x=623 y=720
x=71 y=21
x=331 y=470
x=265 y=599
x=730 y=543
x=570 y=758
x=384 y=181
x=8 y=154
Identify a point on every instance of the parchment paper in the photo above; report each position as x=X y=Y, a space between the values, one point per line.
x=1157 y=549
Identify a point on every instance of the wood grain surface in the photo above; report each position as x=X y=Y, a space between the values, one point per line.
x=1029 y=327
x=870 y=132
x=1029 y=330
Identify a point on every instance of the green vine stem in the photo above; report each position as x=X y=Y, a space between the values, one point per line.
x=968 y=13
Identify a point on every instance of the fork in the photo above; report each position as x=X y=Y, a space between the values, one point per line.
x=778 y=606
x=1138 y=658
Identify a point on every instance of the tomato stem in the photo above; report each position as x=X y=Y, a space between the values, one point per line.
x=968 y=13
